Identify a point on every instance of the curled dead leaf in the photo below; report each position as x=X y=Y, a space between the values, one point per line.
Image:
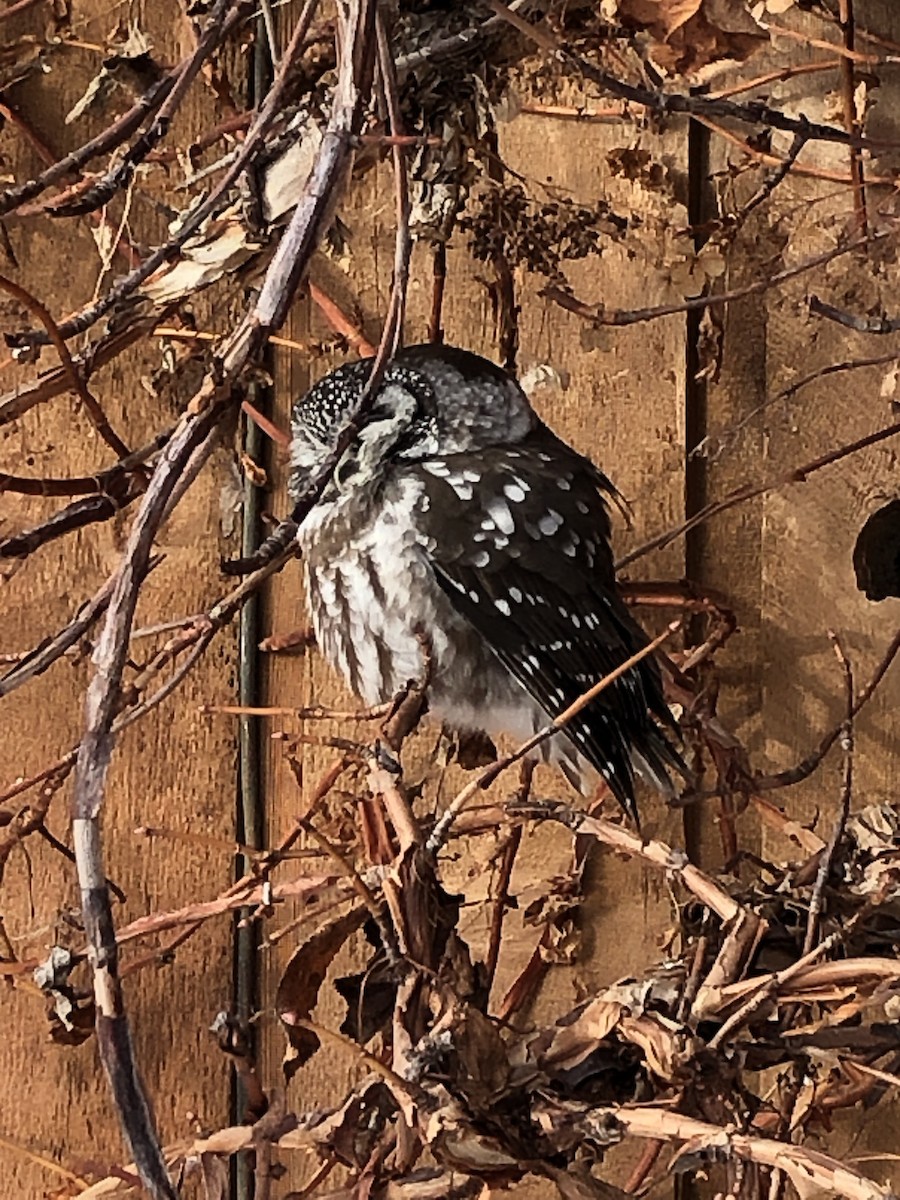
x=694 y=37
x=298 y=988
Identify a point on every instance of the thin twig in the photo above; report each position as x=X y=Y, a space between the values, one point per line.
x=84 y=485
x=598 y=315
x=221 y=19
x=340 y=322
x=114 y=135
x=808 y=1169
x=780 y=76
x=750 y=491
x=54 y=382
x=660 y=855
x=79 y=387
x=486 y=777
x=773 y=983
x=643 y=1166
x=393 y=325
x=500 y=903
x=804 y=769
x=80 y=513
x=768 y=186
x=252 y=146
x=767 y=158
x=753 y=113
x=41 y=658
x=827 y=857
x=879 y=325
x=713 y=444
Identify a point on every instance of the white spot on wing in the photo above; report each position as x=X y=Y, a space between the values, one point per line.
x=437 y=468
x=459 y=485
x=500 y=513
x=513 y=492
x=503 y=605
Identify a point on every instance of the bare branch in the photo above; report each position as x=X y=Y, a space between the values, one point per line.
x=750 y=491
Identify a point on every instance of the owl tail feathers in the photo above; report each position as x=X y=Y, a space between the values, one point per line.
x=656 y=761
x=653 y=770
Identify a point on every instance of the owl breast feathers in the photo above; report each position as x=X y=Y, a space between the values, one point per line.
x=457 y=516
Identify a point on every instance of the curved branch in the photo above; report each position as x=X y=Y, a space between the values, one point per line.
x=180 y=460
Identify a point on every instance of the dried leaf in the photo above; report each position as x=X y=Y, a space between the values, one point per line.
x=298 y=988
x=876 y=555
x=664 y=1043
x=353 y=1131
x=694 y=37
x=370 y=997
x=253 y=471
x=226 y=242
x=455 y=1142
x=572 y=1043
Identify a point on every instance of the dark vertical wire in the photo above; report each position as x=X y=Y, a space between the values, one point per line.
x=695 y=480
x=250 y=800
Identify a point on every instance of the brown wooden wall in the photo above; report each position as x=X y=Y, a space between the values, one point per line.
x=783 y=561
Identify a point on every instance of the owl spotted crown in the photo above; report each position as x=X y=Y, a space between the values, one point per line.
x=457 y=513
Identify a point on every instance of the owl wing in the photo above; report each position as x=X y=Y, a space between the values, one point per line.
x=519 y=542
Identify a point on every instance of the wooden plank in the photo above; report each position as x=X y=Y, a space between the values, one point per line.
x=621 y=397
x=623 y=405
x=173 y=769
x=786 y=560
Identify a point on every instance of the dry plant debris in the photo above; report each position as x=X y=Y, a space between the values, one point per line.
x=776 y=1002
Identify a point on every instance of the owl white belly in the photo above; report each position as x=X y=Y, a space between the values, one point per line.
x=376 y=604
x=369 y=592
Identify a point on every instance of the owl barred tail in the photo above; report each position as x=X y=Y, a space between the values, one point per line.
x=457 y=511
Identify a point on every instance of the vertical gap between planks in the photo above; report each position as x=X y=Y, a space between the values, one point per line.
x=700 y=210
x=695 y=481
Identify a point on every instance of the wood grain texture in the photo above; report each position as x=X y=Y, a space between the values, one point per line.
x=623 y=406
x=786 y=559
x=622 y=398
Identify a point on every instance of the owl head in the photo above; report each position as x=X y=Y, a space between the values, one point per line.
x=431 y=400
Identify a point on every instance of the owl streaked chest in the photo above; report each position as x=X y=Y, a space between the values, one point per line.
x=370 y=585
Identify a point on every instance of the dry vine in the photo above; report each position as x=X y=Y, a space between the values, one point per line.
x=674 y=1057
